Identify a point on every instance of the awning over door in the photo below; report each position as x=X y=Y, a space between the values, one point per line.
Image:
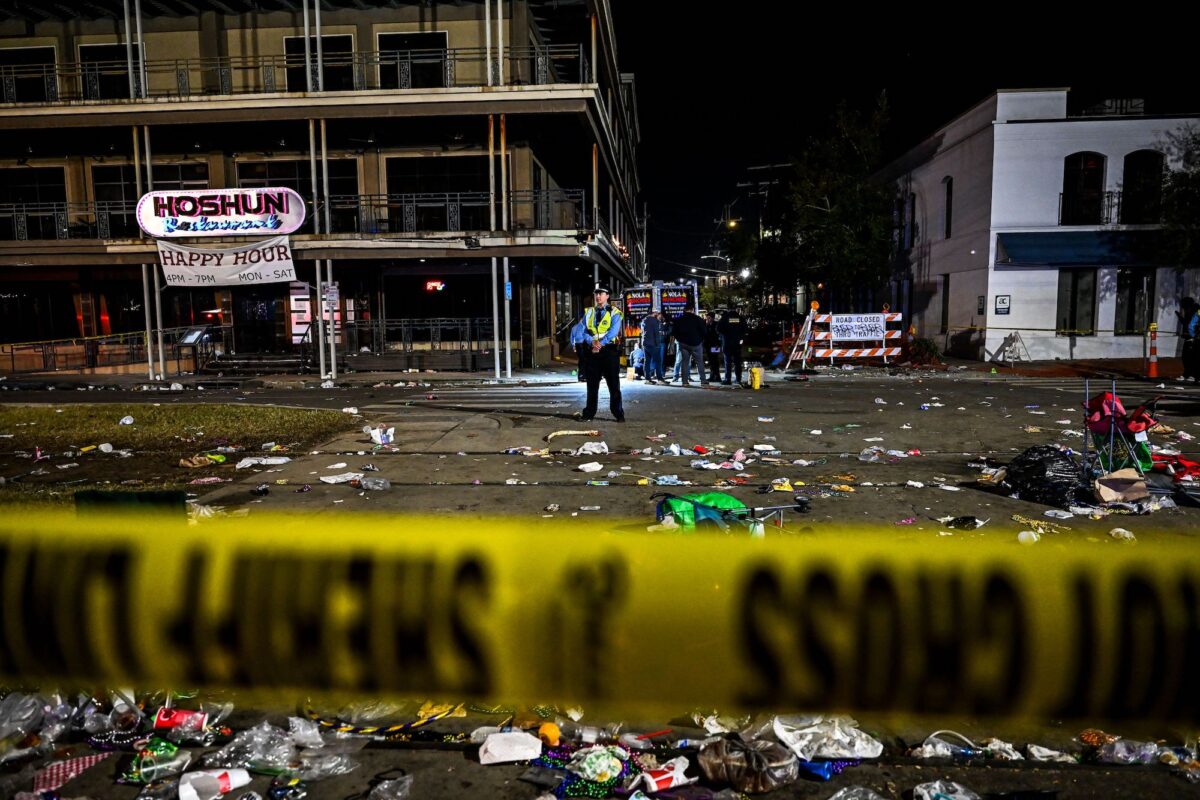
x=1064 y=249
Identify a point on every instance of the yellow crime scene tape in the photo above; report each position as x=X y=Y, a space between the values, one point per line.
x=519 y=612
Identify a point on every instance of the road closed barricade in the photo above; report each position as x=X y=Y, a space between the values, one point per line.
x=836 y=336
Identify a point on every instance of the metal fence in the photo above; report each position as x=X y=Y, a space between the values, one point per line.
x=378 y=70
x=427 y=212
x=115 y=350
x=448 y=334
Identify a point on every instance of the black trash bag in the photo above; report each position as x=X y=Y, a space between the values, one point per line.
x=1044 y=474
x=752 y=767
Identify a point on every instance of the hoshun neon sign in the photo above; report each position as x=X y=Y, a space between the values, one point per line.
x=221 y=212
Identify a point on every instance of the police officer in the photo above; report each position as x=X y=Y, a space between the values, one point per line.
x=732 y=328
x=602 y=355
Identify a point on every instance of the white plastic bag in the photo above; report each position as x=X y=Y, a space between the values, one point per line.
x=501 y=748
x=943 y=790
x=819 y=736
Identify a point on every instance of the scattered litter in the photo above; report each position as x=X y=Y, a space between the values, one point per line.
x=380 y=435
x=906 y=521
x=552 y=507
x=879 y=401
x=766 y=419
x=943 y=790
x=1055 y=513
x=1028 y=537
x=556 y=434
x=964 y=523
x=589 y=508
x=591 y=466
x=1038 y=753
x=592 y=449
x=501 y=748
x=339 y=465
x=915 y=484
x=947 y=487
x=126 y=421
x=350 y=410
x=263 y=461
x=819 y=736
x=815 y=432
x=1122 y=534
x=345 y=477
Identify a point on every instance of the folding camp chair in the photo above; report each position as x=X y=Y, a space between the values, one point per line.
x=703 y=510
x=1120 y=436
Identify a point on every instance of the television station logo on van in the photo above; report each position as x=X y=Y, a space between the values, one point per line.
x=221 y=212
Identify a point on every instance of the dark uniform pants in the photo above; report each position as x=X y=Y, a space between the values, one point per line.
x=733 y=362
x=604 y=365
x=714 y=365
x=1191 y=358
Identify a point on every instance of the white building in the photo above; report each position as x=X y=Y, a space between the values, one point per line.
x=1031 y=230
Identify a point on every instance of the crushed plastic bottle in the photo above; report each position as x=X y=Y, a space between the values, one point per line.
x=373 y=483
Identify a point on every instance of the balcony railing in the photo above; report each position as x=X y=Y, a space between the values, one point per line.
x=233 y=75
x=1091 y=208
x=96 y=220
x=428 y=212
x=1139 y=208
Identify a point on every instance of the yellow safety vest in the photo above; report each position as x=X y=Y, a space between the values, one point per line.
x=605 y=321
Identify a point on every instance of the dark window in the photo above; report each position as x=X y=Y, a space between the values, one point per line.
x=412 y=60
x=181 y=177
x=949 y=184
x=945 y=304
x=116 y=195
x=27 y=75
x=32 y=202
x=1135 y=301
x=35 y=312
x=1076 y=302
x=1141 y=194
x=297 y=175
x=106 y=71
x=337 y=56
x=1083 y=196
x=451 y=193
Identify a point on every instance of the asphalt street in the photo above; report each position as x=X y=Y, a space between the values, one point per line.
x=448 y=454
x=449 y=459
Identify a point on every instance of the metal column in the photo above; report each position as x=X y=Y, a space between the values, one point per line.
x=328 y=228
x=137 y=178
x=307 y=49
x=319 y=306
x=503 y=174
x=162 y=368
x=507 y=324
x=495 y=319
x=320 y=52
x=137 y=6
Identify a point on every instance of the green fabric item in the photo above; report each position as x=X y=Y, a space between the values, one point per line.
x=685 y=512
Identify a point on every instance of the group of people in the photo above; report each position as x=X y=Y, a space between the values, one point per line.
x=706 y=342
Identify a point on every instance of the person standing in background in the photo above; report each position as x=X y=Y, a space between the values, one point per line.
x=732 y=329
x=653 y=344
x=712 y=347
x=689 y=335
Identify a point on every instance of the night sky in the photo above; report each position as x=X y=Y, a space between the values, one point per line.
x=719 y=92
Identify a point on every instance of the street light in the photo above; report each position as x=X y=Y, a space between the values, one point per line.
x=745 y=272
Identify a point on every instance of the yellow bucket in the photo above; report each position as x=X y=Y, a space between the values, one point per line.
x=756 y=375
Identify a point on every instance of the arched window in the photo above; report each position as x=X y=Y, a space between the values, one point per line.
x=948 y=182
x=1141 y=194
x=1083 y=197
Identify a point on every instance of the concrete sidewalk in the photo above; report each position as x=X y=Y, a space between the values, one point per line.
x=557 y=372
